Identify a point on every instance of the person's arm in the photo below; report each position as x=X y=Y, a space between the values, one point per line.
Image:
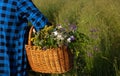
x=28 y=10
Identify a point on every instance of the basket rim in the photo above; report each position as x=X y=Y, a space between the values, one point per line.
x=47 y=49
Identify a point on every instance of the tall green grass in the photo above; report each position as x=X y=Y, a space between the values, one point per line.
x=97 y=19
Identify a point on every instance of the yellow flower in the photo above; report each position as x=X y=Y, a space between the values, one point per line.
x=32 y=39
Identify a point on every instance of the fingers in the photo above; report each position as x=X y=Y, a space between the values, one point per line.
x=49 y=24
x=34 y=31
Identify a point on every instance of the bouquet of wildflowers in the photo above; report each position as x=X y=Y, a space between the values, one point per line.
x=55 y=45
x=57 y=36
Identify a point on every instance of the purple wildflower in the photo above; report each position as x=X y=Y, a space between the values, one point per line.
x=73 y=27
x=44 y=48
x=72 y=38
x=62 y=30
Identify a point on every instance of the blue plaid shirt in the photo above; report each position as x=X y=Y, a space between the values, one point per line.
x=14 y=16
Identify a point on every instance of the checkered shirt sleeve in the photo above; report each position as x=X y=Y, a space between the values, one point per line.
x=26 y=9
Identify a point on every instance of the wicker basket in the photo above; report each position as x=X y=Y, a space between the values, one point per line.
x=54 y=60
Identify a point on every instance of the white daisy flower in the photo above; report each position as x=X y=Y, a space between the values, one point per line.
x=59 y=27
x=55 y=33
x=69 y=40
x=60 y=37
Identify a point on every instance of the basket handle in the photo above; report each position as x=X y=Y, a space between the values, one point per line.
x=30 y=35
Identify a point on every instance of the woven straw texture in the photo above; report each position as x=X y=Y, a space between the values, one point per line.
x=54 y=60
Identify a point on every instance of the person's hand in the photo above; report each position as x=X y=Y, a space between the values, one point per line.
x=34 y=31
x=49 y=24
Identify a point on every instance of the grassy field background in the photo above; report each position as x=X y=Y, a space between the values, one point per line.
x=97 y=19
